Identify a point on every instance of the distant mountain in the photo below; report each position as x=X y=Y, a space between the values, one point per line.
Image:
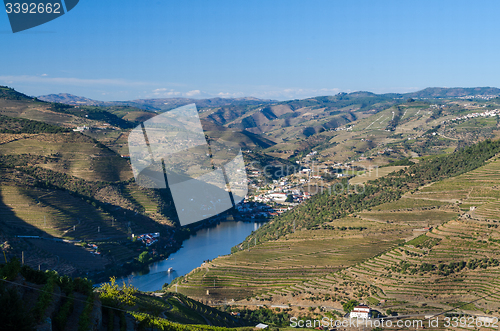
x=170 y=103
x=153 y=104
x=455 y=92
x=300 y=118
x=163 y=104
x=69 y=99
x=290 y=119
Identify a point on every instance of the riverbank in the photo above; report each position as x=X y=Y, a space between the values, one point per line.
x=170 y=242
x=205 y=244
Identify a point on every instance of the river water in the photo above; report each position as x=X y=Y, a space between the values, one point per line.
x=205 y=244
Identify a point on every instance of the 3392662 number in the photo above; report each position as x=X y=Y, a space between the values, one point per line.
x=33 y=8
x=470 y=322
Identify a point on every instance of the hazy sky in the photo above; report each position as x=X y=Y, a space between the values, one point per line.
x=124 y=49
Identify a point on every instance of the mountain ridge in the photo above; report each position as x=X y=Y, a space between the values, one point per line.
x=168 y=103
x=156 y=104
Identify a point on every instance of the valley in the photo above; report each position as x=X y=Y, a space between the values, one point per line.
x=389 y=200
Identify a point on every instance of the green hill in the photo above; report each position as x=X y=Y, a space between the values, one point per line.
x=41 y=299
x=57 y=184
x=8 y=93
x=375 y=245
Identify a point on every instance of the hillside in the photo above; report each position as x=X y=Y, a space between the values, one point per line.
x=51 y=206
x=43 y=299
x=7 y=93
x=298 y=119
x=418 y=241
x=57 y=184
x=454 y=263
x=409 y=129
x=62 y=185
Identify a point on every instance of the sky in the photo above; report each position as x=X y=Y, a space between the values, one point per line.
x=124 y=49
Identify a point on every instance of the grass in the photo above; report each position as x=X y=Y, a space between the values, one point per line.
x=183 y=314
x=180 y=309
x=374 y=174
x=418 y=240
x=409 y=203
x=40 y=112
x=148 y=203
x=417 y=217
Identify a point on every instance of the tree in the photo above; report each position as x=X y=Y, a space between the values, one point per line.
x=112 y=295
x=349 y=305
x=144 y=258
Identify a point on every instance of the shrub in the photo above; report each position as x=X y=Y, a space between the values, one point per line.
x=10 y=270
x=44 y=299
x=34 y=276
x=64 y=312
x=84 y=321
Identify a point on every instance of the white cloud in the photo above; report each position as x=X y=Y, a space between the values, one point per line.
x=193 y=93
x=231 y=94
x=276 y=93
x=128 y=89
x=395 y=90
x=166 y=93
x=171 y=93
x=300 y=93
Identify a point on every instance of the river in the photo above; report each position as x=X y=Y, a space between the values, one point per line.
x=205 y=244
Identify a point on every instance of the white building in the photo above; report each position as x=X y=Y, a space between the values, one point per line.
x=278 y=196
x=81 y=128
x=361 y=312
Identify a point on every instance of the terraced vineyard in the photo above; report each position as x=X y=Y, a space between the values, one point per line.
x=72 y=154
x=438 y=254
x=280 y=267
x=477 y=191
x=56 y=213
x=453 y=263
x=67 y=187
x=456 y=262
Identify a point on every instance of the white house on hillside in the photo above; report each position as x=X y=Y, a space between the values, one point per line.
x=361 y=312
